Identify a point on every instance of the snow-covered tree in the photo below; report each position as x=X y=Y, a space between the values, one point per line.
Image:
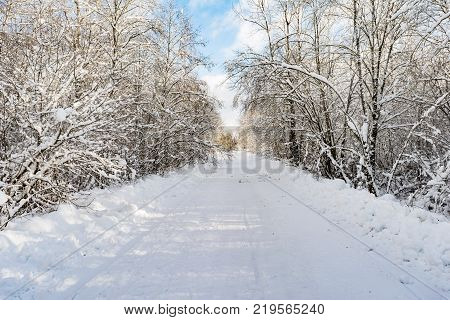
x=352 y=89
x=94 y=93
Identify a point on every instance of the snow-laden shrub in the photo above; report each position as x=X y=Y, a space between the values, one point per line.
x=344 y=97
x=92 y=94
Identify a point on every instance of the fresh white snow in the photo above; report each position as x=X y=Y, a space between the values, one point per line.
x=3 y=198
x=61 y=114
x=251 y=229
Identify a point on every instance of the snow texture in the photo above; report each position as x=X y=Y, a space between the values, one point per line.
x=3 y=198
x=61 y=115
x=235 y=233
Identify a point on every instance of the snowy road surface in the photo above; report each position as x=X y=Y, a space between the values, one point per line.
x=237 y=233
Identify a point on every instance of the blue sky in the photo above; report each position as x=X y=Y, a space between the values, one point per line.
x=212 y=18
x=223 y=33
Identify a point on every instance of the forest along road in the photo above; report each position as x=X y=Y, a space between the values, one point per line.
x=230 y=234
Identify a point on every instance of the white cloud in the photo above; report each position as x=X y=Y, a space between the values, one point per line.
x=219 y=88
x=247 y=35
x=243 y=35
x=227 y=23
x=193 y=4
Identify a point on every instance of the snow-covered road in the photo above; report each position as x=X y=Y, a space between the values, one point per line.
x=238 y=233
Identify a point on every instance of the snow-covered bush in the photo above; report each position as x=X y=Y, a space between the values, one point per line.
x=92 y=94
x=355 y=89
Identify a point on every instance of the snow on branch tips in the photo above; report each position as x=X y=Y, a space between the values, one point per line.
x=354 y=90
x=93 y=94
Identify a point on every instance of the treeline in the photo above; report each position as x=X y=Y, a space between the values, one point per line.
x=352 y=89
x=94 y=92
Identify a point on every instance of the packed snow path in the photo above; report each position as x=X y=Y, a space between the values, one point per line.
x=240 y=232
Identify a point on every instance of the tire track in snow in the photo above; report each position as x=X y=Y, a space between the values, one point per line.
x=253 y=248
x=153 y=229
x=26 y=286
x=363 y=244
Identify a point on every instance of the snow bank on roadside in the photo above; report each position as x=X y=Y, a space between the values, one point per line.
x=30 y=245
x=413 y=238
